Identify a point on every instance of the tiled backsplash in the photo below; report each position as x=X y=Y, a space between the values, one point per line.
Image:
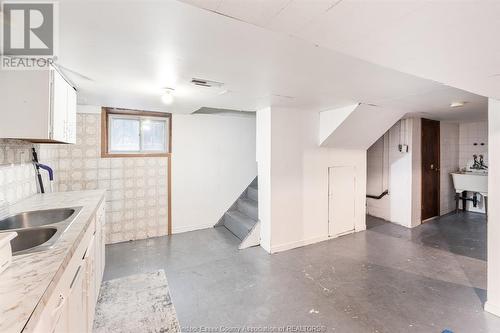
x=17 y=175
x=136 y=199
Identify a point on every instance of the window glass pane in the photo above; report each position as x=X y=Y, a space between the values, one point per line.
x=154 y=135
x=124 y=135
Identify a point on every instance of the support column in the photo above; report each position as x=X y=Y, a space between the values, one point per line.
x=493 y=299
x=263 y=152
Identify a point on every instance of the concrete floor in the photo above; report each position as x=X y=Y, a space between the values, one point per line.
x=386 y=279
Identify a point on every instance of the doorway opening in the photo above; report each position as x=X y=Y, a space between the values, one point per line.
x=430 y=168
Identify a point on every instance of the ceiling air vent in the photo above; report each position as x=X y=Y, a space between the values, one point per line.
x=206 y=83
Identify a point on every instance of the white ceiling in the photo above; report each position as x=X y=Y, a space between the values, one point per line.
x=131 y=49
x=453 y=42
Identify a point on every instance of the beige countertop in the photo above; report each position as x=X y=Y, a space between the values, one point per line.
x=30 y=278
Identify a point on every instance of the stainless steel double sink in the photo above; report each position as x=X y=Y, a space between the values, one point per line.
x=38 y=230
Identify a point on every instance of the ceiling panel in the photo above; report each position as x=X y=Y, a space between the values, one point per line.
x=355 y=21
x=258 y=12
x=300 y=13
x=129 y=57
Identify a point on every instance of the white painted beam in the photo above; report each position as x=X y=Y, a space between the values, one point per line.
x=493 y=300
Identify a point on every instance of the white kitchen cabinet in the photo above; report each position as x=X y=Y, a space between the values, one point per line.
x=38 y=106
x=71 y=308
x=77 y=303
x=90 y=284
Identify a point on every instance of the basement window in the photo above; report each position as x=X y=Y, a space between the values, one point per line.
x=129 y=133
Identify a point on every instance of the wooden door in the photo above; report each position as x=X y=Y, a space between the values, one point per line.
x=341 y=202
x=430 y=168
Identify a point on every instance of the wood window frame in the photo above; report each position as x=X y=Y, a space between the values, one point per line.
x=106 y=111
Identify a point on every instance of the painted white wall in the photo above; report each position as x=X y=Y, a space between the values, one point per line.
x=369 y=120
x=493 y=299
x=298 y=184
x=377 y=180
x=402 y=205
x=213 y=161
x=263 y=151
x=330 y=120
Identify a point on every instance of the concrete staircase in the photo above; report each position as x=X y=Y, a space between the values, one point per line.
x=242 y=217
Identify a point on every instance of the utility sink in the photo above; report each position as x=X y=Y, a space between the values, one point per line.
x=38 y=230
x=471 y=181
x=36 y=218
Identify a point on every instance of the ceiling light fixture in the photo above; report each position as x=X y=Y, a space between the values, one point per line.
x=168 y=96
x=457 y=104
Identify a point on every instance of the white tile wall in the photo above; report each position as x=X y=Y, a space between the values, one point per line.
x=449 y=163
x=137 y=192
x=472 y=135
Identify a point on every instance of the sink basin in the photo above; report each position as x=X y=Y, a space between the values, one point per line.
x=29 y=238
x=38 y=230
x=36 y=218
x=470 y=181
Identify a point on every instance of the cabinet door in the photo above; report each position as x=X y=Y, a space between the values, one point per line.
x=103 y=242
x=71 y=115
x=59 y=107
x=90 y=282
x=62 y=321
x=77 y=312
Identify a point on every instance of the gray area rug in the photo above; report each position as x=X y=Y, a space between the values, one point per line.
x=136 y=303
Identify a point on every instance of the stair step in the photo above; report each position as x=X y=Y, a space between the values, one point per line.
x=253 y=193
x=249 y=207
x=238 y=223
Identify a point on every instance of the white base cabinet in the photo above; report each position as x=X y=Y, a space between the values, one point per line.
x=71 y=307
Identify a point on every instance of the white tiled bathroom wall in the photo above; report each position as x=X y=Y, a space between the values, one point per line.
x=473 y=140
x=449 y=147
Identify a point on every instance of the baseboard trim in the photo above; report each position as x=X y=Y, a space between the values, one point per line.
x=178 y=230
x=299 y=243
x=492 y=308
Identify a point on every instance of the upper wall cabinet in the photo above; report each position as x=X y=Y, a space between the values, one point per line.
x=38 y=106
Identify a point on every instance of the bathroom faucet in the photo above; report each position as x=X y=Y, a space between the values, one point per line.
x=478 y=165
x=481 y=162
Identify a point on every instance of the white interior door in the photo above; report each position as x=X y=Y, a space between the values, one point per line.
x=341 y=200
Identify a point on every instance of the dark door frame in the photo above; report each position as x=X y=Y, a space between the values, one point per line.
x=438 y=169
